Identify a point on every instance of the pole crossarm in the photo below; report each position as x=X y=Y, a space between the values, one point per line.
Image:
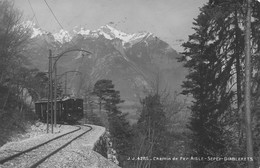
x=71 y=50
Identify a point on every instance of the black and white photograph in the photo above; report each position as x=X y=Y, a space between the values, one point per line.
x=130 y=83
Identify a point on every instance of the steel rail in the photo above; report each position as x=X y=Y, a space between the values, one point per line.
x=60 y=148
x=2 y=161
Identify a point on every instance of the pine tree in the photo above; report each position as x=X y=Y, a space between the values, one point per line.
x=214 y=56
x=208 y=83
x=119 y=128
x=103 y=89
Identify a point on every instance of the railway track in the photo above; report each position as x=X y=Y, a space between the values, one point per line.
x=36 y=155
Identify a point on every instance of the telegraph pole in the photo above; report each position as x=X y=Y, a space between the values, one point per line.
x=49 y=91
x=51 y=95
x=55 y=96
x=248 y=85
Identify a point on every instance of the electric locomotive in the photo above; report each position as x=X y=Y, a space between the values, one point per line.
x=68 y=109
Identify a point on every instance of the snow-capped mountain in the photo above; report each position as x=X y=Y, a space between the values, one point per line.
x=62 y=36
x=132 y=61
x=111 y=33
x=107 y=31
x=36 y=31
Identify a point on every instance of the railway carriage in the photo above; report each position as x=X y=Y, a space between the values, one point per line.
x=68 y=109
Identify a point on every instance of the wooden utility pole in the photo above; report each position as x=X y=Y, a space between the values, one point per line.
x=51 y=90
x=248 y=85
x=55 y=95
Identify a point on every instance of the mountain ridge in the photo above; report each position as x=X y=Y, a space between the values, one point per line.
x=107 y=31
x=132 y=61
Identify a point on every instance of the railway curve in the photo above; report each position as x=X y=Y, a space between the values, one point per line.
x=39 y=153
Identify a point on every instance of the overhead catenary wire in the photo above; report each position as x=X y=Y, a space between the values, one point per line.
x=81 y=62
x=57 y=20
x=37 y=21
x=34 y=15
x=52 y=57
x=53 y=14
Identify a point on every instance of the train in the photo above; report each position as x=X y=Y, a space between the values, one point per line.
x=68 y=110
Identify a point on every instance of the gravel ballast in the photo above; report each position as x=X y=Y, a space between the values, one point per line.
x=78 y=154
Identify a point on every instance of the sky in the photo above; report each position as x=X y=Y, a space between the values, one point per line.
x=170 y=20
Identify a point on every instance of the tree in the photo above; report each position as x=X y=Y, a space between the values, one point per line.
x=40 y=83
x=89 y=100
x=103 y=89
x=248 y=83
x=121 y=135
x=13 y=38
x=214 y=55
x=119 y=128
x=151 y=132
x=208 y=81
